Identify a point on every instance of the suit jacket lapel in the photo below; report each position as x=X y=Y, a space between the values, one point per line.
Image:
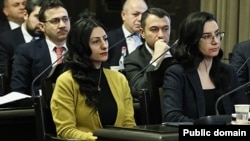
x=193 y=77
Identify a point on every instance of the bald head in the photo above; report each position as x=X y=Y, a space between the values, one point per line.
x=128 y=3
x=131 y=14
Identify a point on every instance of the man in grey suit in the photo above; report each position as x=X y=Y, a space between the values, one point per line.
x=32 y=58
x=9 y=40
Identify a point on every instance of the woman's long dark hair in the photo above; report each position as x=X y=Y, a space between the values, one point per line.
x=187 y=52
x=78 y=59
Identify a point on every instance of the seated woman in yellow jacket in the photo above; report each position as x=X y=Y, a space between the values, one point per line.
x=87 y=96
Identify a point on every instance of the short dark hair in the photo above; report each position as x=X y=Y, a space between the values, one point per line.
x=154 y=11
x=31 y=4
x=46 y=5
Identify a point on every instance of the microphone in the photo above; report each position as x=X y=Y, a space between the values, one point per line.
x=137 y=74
x=219 y=119
x=243 y=65
x=33 y=93
x=121 y=40
x=228 y=93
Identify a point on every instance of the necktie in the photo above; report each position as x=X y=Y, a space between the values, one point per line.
x=133 y=42
x=59 y=51
x=137 y=39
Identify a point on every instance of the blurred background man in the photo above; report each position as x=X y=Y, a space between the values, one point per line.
x=9 y=40
x=14 y=11
x=121 y=37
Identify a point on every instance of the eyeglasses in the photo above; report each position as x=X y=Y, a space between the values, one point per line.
x=56 y=21
x=210 y=37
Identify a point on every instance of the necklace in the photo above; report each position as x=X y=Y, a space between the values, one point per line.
x=99 y=81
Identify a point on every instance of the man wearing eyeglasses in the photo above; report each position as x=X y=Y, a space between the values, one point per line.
x=33 y=58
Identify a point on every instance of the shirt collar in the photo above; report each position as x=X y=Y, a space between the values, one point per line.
x=26 y=35
x=51 y=45
x=149 y=49
x=13 y=25
x=125 y=31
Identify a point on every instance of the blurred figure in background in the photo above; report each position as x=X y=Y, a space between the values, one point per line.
x=121 y=37
x=241 y=55
x=9 y=40
x=14 y=11
x=86 y=14
x=240 y=60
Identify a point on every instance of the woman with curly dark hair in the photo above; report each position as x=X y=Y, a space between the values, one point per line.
x=87 y=96
x=193 y=85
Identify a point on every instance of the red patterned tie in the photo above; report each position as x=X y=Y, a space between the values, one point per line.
x=59 y=51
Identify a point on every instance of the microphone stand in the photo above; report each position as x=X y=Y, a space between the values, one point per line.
x=218 y=119
x=243 y=65
x=228 y=93
x=33 y=93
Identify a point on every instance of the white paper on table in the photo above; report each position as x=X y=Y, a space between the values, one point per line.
x=12 y=96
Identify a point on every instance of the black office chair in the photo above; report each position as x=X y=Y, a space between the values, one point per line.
x=3 y=85
x=46 y=130
x=150 y=102
x=5 y=77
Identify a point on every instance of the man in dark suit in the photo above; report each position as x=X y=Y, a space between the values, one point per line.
x=30 y=29
x=148 y=57
x=9 y=40
x=240 y=55
x=118 y=38
x=240 y=60
x=32 y=58
x=14 y=11
x=4 y=26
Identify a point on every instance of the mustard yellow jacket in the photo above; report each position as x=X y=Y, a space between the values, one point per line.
x=73 y=118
